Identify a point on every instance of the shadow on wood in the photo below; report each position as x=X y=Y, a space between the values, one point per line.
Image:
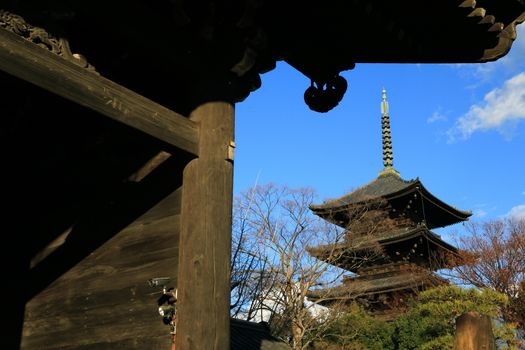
x=72 y=181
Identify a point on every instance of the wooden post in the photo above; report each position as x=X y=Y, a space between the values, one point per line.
x=474 y=332
x=205 y=237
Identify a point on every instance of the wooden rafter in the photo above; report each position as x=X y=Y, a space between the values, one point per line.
x=30 y=62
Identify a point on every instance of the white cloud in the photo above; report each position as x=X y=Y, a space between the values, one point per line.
x=479 y=213
x=436 y=117
x=501 y=109
x=517 y=212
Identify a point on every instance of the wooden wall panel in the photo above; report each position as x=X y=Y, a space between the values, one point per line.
x=104 y=301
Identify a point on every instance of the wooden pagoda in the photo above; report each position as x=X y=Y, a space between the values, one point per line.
x=389 y=245
x=117 y=140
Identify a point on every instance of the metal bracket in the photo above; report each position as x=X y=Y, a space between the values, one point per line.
x=231 y=151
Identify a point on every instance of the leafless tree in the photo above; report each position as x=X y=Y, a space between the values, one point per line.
x=493 y=256
x=250 y=273
x=275 y=272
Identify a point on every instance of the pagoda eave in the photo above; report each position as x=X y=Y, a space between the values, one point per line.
x=360 y=287
x=435 y=213
x=441 y=214
x=382 y=188
x=358 y=252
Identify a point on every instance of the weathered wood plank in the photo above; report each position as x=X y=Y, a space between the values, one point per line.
x=167 y=207
x=474 y=332
x=127 y=257
x=49 y=71
x=205 y=237
x=145 y=342
x=104 y=301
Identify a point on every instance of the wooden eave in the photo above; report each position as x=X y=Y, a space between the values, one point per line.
x=182 y=43
x=386 y=284
x=436 y=212
x=360 y=246
x=401 y=32
x=364 y=199
x=453 y=214
x=385 y=239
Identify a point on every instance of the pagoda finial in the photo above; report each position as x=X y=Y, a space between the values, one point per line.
x=388 y=156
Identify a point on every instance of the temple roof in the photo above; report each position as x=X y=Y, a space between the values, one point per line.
x=253 y=336
x=389 y=186
x=385 y=238
x=357 y=247
x=385 y=186
x=147 y=45
x=388 y=283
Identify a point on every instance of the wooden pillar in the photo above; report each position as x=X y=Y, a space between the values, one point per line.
x=474 y=332
x=203 y=321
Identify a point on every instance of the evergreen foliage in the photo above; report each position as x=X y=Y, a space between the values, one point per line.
x=356 y=330
x=429 y=323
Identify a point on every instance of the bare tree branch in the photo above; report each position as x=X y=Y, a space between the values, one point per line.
x=493 y=256
x=275 y=231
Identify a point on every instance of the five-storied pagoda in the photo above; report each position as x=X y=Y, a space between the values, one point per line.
x=389 y=245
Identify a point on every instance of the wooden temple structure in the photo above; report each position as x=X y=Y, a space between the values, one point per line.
x=117 y=142
x=389 y=245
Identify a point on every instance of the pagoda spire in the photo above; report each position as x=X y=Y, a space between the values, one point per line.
x=388 y=156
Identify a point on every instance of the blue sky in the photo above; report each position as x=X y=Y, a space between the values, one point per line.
x=459 y=128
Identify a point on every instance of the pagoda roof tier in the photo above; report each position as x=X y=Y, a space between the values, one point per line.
x=358 y=252
x=389 y=187
x=359 y=287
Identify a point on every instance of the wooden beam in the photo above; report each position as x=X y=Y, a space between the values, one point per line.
x=205 y=238
x=30 y=62
x=149 y=167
